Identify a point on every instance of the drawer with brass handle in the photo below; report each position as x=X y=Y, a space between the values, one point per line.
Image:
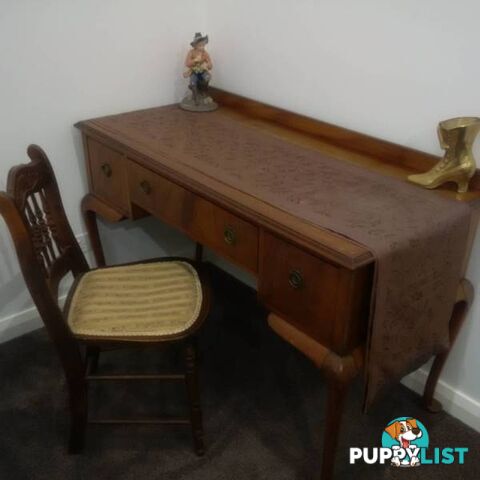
x=295 y=279
x=226 y=233
x=146 y=187
x=202 y=220
x=159 y=196
x=108 y=174
x=107 y=170
x=229 y=235
x=301 y=287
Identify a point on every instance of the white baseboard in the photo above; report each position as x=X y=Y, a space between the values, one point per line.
x=19 y=324
x=454 y=401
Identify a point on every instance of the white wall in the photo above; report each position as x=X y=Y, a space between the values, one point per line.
x=392 y=69
x=65 y=60
x=389 y=68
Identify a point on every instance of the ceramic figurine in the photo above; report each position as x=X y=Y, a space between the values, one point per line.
x=199 y=66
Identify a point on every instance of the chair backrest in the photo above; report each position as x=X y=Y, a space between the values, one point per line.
x=46 y=247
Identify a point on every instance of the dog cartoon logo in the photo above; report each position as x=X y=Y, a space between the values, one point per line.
x=405 y=436
x=405 y=444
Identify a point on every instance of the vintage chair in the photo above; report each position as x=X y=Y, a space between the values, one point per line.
x=142 y=304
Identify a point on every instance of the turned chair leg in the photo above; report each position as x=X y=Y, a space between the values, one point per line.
x=191 y=378
x=93 y=358
x=198 y=252
x=336 y=395
x=78 y=418
x=460 y=310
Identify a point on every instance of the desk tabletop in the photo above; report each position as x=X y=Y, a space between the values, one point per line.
x=214 y=154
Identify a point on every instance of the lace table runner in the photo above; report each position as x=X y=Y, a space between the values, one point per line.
x=417 y=237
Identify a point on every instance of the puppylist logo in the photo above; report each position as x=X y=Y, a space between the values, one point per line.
x=405 y=437
x=405 y=443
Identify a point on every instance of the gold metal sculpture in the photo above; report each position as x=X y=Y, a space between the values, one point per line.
x=458 y=164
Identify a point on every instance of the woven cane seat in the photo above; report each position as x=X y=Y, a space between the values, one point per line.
x=146 y=299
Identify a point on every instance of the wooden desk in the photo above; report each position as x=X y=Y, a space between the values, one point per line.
x=316 y=284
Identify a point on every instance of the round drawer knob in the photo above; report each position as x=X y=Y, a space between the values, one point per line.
x=229 y=236
x=106 y=169
x=145 y=186
x=295 y=279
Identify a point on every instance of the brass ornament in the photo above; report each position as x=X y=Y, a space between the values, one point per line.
x=458 y=165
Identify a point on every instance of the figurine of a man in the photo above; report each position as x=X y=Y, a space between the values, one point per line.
x=199 y=64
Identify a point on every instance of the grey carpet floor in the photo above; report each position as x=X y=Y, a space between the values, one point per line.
x=264 y=411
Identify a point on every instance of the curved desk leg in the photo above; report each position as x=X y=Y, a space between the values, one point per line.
x=91 y=207
x=336 y=397
x=340 y=372
x=460 y=310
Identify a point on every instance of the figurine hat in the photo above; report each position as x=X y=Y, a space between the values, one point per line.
x=199 y=38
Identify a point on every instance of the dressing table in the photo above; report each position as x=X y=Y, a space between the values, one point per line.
x=316 y=283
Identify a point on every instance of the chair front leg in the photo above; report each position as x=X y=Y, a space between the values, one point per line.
x=193 y=392
x=93 y=357
x=78 y=400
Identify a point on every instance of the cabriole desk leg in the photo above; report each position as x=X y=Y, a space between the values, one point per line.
x=460 y=310
x=339 y=371
x=91 y=207
x=336 y=396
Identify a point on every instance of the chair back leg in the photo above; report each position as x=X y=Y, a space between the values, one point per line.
x=193 y=393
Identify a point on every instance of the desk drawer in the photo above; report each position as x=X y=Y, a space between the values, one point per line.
x=159 y=196
x=299 y=287
x=108 y=174
x=202 y=220
x=225 y=233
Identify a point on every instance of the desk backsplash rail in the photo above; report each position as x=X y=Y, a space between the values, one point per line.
x=388 y=152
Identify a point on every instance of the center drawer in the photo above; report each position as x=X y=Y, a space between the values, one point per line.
x=202 y=220
x=226 y=233
x=160 y=197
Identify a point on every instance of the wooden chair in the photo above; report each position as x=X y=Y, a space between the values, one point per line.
x=147 y=303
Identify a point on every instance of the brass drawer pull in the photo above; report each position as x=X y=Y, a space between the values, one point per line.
x=145 y=186
x=295 y=279
x=229 y=235
x=107 y=170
